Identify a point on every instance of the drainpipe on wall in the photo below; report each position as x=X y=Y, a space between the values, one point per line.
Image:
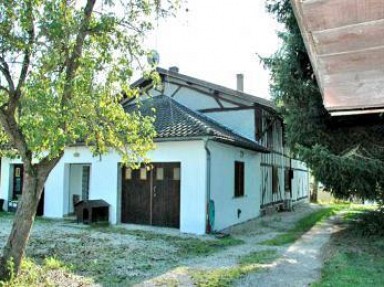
x=208 y=186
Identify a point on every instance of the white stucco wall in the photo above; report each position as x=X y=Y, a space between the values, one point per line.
x=6 y=179
x=223 y=159
x=105 y=181
x=242 y=121
x=194 y=99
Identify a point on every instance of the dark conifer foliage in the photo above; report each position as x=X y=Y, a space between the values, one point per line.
x=345 y=154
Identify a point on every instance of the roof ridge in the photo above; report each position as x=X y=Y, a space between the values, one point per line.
x=229 y=91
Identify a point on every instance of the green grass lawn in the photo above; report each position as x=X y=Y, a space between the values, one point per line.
x=353 y=259
x=34 y=275
x=224 y=277
x=303 y=225
x=187 y=246
x=4 y=214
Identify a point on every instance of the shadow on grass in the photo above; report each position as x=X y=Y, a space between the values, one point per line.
x=352 y=258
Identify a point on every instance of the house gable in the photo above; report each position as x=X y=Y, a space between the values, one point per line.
x=251 y=117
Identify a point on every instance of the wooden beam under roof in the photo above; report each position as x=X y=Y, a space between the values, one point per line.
x=345 y=42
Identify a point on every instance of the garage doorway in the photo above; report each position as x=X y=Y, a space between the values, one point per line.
x=151 y=196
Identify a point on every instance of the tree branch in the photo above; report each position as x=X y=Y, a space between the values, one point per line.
x=47 y=163
x=4 y=89
x=73 y=63
x=17 y=138
x=4 y=68
x=14 y=99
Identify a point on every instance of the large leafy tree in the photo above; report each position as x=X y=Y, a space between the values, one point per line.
x=345 y=154
x=63 y=65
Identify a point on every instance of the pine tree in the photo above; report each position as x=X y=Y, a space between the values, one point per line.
x=347 y=157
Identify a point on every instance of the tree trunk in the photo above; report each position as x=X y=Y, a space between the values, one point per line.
x=315 y=189
x=14 y=249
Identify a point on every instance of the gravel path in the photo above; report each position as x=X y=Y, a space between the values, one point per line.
x=298 y=266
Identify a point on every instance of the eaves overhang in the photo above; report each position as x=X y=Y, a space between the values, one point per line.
x=345 y=42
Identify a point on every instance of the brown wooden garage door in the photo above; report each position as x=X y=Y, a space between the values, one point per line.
x=151 y=196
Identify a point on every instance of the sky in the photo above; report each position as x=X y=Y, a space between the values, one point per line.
x=214 y=40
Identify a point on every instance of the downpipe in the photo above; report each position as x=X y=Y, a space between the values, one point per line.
x=208 y=186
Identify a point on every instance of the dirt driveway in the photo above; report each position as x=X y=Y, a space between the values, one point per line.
x=145 y=256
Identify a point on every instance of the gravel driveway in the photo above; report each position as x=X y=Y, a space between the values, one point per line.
x=149 y=256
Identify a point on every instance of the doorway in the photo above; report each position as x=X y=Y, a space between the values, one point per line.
x=79 y=183
x=151 y=195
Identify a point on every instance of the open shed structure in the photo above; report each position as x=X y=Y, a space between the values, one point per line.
x=345 y=41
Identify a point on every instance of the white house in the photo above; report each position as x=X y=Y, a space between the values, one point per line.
x=219 y=160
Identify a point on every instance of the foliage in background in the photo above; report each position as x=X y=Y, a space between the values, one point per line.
x=347 y=159
x=371 y=223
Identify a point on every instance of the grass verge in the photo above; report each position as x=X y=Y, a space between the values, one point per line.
x=353 y=259
x=187 y=246
x=224 y=277
x=5 y=214
x=303 y=225
x=51 y=273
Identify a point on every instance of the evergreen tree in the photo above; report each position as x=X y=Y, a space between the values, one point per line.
x=347 y=157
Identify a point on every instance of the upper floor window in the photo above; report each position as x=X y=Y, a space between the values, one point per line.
x=239 y=178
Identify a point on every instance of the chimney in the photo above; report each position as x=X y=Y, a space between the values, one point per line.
x=240 y=82
x=174 y=69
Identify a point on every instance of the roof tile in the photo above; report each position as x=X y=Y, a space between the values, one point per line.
x=173 y=120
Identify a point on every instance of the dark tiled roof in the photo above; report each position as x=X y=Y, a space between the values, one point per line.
x=175 y=121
